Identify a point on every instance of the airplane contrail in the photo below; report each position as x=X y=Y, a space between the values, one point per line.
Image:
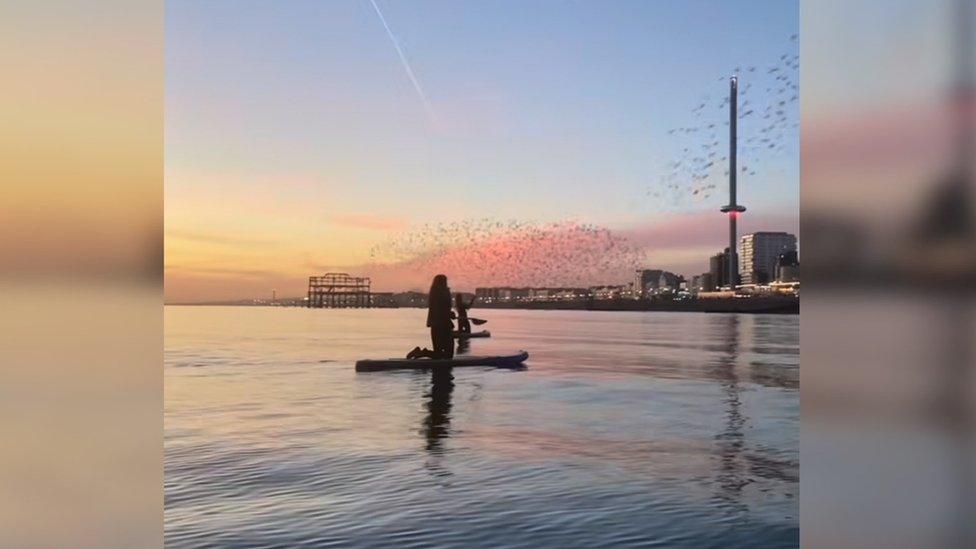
x=404 y=62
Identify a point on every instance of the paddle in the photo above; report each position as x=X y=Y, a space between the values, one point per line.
x=477 y=321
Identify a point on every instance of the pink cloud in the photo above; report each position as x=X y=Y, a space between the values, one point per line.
x=568 y=254
x=703 y=229
x=891 y=134
x=562 y=254
x=558 y=254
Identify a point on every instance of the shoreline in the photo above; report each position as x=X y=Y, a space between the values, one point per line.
x=750 y=305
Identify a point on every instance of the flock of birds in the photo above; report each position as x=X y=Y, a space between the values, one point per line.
x=766 y=118
x=511 y=253
x=526 y=253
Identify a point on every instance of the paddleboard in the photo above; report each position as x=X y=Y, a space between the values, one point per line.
x=482 y=333
x=422 y=363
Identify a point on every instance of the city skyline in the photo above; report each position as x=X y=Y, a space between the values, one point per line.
x=299 y=141
x=686 y=276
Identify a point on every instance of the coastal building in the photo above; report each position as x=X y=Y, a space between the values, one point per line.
x=627 y=291
x=648 y=282
x=486 y=295
x=504 y=294
x=719 y=270
x=382 y=300
x=568 y=294
x=610 y=291
x=539 y=294
x=557 y=294
x=787 y=267
x=701 y=283
x=514 y=294
x=706 y=283
x=667 y=282
x=643 y=278
x=759 y=252
x=410 y=299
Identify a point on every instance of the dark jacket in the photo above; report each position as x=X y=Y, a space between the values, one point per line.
x=461 y=307
x=439 y=309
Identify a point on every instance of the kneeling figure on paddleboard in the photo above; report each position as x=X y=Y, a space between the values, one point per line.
x=439 y=322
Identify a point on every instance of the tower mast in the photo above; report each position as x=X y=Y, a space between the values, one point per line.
x=733 y=209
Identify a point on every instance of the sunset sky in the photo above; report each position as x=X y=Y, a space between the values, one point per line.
x=302 y=135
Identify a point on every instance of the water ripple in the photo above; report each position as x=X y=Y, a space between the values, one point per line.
x=649 y=430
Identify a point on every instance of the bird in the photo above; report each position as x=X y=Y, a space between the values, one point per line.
x=767 y=123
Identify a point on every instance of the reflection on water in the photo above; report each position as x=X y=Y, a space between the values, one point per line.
x=740 y=465
x=626 y=429
x=730 y=439
x=437 y=422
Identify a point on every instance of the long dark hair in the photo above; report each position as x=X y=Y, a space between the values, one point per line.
x=438 y=288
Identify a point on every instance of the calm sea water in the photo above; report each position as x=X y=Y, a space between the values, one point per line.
x=630 y=429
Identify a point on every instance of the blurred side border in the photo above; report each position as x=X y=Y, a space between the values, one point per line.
x=887 y=329
x=81 y=254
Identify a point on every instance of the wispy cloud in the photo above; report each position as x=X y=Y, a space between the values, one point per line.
x=230 y=273
x=404 y=62
x=216 y=239
x=370 y=221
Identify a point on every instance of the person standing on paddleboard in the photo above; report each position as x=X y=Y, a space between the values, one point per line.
x=439 y=321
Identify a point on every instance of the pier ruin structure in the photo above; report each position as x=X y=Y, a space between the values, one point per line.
x=338 y=291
